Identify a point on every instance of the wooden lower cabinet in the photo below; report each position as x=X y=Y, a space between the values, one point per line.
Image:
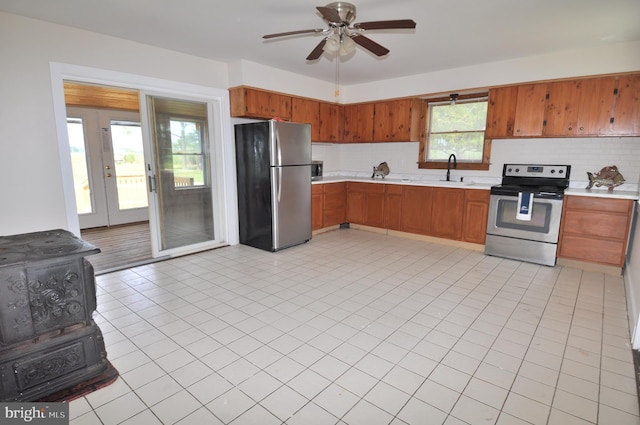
x=335 y=204
x=447 y=213
x=595 y=230
x=416 y=209
x=365 y=204
x=393 y=206
x=328 y=205
x=476 y=211
x=450 y=213
x=317 y=206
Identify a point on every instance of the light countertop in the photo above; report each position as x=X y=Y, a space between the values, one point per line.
x=471 y=184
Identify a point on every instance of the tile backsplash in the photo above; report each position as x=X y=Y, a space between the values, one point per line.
x=584 y=154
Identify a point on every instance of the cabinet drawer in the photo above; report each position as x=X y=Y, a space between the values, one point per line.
x=593 y=250
x=610 y=226
x=600 y=204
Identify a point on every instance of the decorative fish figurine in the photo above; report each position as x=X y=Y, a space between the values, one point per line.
x=608 y=176
x=381 y=170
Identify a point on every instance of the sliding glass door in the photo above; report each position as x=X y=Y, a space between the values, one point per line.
x=181 y=175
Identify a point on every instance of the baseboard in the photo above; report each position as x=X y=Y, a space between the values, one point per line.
x=590 y=267
x=414 y=236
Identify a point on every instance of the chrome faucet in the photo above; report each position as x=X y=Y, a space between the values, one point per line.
x=455 y=165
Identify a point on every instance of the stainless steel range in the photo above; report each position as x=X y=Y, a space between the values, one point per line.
x=525 y=211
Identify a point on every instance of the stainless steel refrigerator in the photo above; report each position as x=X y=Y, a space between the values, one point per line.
x=273 y=165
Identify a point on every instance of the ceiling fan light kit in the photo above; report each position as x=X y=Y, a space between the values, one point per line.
x=341 y=37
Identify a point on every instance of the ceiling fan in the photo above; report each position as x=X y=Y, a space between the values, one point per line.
x=341 y=36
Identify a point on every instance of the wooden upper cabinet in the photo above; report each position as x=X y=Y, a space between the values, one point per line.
x=330 y=122
x=393 y=119
x=307 y=111
x=562 y=108
x=248 y=102
x=597 y=100
x=501 y=112
x=358 y=122
x=530 y=110
x=626 y=117
x=580 y=107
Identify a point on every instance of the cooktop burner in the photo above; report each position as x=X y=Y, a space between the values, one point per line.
x=544 y=181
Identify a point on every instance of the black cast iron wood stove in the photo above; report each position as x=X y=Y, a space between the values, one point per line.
x=49 y=342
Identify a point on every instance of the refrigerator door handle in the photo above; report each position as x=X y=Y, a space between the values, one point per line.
x=279 y=184
x=278 y=149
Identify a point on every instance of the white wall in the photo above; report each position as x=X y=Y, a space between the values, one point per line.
x=31 y=188
x=620 y=57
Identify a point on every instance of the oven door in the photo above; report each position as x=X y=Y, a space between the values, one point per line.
x=544 y=225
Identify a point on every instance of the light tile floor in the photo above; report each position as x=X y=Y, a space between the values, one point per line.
x=361 y=328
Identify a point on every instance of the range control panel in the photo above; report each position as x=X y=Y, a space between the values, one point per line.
x=534 y=170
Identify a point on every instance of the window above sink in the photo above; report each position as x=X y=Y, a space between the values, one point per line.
x=456 y=125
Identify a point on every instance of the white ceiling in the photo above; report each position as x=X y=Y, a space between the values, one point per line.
x=449 y=33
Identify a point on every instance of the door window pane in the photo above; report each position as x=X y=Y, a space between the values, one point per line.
x=188 y=155
x=128 y=157
x=80 y=169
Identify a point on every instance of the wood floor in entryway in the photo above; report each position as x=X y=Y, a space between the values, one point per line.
x=120 y=245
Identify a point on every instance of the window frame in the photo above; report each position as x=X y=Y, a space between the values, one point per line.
x=201 y=127
x=442 y=164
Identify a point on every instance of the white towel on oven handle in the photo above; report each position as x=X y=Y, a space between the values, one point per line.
x=525 y=206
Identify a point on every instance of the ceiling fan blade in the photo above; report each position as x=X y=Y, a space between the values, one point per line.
x=282 y=34
x=329 y=14
x=317 y=52
x=370 y=45
x=386 y=25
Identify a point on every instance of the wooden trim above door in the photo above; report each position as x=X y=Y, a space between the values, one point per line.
x=87 y=95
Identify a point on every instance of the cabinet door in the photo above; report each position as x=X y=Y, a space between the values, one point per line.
x=307 y=111
x=335 y=204
x=447 y=213
x=393 y=207
x=416 y=209
x=253 y=103
x=393 y=121
x=562 y=108
x=595 y=229
x=356 y=203
x=476 y=210
x=626 y=120
x=358 y=122
x=596 y=106
x=317 y=206
x=330 y=122
x=530 y=108
x=501 y=112
x=375 y=206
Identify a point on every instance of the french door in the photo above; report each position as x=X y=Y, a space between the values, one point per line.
x=107 y=159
